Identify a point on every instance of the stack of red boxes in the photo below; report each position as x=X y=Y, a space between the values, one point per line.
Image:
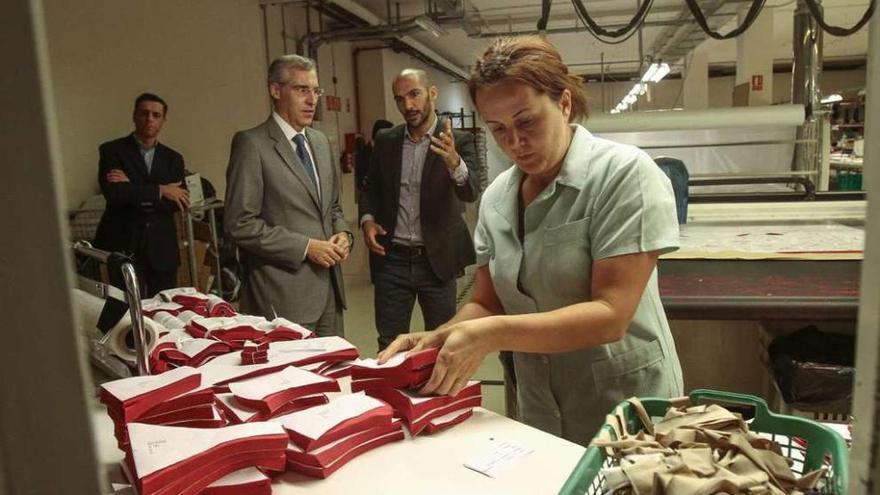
x=325 y=438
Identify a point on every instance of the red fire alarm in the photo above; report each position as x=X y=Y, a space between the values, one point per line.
x=758 y=82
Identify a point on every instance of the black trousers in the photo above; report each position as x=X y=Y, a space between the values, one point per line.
x=400 y=279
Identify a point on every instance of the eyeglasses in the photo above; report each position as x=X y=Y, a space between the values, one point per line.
x=305 y=90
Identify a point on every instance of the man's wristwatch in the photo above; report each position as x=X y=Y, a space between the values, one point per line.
x=350 y=238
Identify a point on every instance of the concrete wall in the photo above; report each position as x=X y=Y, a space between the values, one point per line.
x=206 y=58
x=372 y=88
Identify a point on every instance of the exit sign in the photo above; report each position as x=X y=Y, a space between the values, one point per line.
x=758 y=82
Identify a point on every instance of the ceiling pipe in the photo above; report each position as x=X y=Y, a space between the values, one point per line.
x=441 y=62
x=419 y=49
x=574 y=29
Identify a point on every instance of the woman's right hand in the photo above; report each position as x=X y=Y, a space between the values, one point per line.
x=463 y=346
x=413 y=342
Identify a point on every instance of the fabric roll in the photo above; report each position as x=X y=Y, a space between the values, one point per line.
x=89 y=307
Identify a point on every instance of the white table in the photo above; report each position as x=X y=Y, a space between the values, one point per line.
x=434 y=464
x=424 y=465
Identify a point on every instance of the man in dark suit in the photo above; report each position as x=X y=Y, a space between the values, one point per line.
x=282 y=207
x=411 y=214
x=141 y=180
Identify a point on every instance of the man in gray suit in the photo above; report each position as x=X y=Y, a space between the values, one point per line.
x=282 y=207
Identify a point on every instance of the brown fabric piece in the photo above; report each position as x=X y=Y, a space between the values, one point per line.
x=699 y=461
x=641 y=475
x=712 y=417
x=698 y=450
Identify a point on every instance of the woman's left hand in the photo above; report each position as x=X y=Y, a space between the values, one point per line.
x=459 y=357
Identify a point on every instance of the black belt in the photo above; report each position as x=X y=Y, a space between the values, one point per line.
x=408 y=251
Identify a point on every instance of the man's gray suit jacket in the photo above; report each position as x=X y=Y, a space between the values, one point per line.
x=272 y=209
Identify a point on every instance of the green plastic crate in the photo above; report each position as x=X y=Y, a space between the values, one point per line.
x=824 y=446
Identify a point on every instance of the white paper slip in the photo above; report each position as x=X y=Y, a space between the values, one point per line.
x=169 y=321
x=194 y=189
x=220 y=323
x=288 y=352
x=497 y=457
x=129 y=388
x=284 y=322
x=174 y=336
x=266 y=385
x=316 y=421
x=187 y=316
x=395 y=360
x=252 y=320
x=308 y=345
x=159 y=305
x=242 y=414
x=296 y=448
x=157 y=447
x=192 y=347
x=169 y=294
x=214 y=373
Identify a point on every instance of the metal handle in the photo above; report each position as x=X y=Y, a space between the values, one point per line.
x=85 y=248
x=132 y=297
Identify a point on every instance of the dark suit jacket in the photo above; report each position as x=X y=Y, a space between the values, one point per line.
x=137 y=220
x=272 y=209
x=447 y=240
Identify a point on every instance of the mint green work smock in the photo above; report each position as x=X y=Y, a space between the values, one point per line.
x=608 y=200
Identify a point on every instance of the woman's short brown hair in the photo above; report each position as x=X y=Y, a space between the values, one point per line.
x=531 y=60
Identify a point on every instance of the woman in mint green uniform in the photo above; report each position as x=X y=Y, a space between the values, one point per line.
x=567 y=246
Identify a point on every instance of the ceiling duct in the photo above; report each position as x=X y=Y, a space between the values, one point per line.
x=448 y=8
x=374 y=27
x=428 y=24
x=471 y=24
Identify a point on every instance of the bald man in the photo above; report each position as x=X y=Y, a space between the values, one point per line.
x=411 y=213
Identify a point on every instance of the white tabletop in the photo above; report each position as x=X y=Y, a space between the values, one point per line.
x=424 y=465
x=435 y=464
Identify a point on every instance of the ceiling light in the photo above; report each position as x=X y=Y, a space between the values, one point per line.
x=661 y=72
x=649 y=74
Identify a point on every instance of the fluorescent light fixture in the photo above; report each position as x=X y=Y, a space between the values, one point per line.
x=656 y=71
x=649 y=74
x=661 y=72
x=832 y=98
x=430 y=26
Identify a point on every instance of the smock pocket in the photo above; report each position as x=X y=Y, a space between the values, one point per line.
x=641 y=371
x=568 y=233
x=565 y=262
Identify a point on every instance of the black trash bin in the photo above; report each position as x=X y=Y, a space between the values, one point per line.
x=814 y=370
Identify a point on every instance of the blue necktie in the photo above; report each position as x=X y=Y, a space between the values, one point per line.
x=303 y=155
